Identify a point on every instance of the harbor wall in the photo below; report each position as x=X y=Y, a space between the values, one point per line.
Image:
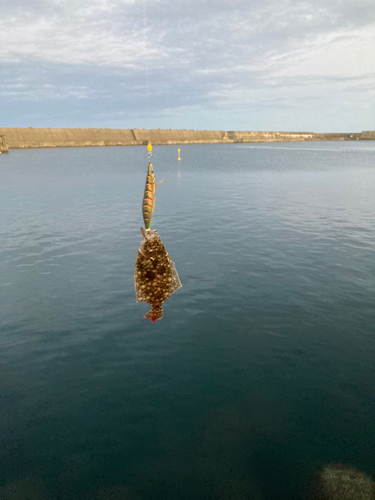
x=76 y=137
x=368 y=135
x=3 y=144
x=66 y=137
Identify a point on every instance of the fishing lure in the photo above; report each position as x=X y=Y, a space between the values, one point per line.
x=148 y=204
x=155 y=275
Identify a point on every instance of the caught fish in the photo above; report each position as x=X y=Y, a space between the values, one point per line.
x=155 y=276
x=148 y=204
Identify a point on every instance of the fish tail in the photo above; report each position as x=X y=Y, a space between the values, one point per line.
x=155 y=313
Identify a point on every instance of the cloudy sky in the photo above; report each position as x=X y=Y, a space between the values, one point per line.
x=204 y=64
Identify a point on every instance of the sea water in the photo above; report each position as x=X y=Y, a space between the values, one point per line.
x=262 y=367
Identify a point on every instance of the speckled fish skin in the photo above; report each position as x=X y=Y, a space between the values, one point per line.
x=155 y=277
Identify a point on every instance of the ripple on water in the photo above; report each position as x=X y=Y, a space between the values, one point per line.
x=264 y=356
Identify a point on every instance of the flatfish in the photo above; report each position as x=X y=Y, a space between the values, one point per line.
x=155 y=276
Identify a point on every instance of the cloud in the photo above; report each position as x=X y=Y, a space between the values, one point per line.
x=152 y=57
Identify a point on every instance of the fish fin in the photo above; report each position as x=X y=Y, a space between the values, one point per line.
x=155 y=313
x=144 y=255
x=176 y=283
x=158 y=184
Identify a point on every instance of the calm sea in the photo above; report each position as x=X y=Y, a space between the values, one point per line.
x=263 y=365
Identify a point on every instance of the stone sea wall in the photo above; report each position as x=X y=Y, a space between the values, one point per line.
x=3 y=144
x=368 y=135
x=65 y=137
x=75 y=137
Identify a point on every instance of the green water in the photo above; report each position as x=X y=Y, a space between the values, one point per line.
x=263 y=364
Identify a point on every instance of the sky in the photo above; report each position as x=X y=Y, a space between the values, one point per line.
x=283 y=65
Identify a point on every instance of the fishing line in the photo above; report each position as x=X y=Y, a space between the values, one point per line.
x=145 y=39
x=171 y=168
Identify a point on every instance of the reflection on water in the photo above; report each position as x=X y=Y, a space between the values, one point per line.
x=263 y=365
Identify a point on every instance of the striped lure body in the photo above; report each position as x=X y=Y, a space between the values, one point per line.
x=149 y=197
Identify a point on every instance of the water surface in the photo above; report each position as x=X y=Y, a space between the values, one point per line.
x=263 y=365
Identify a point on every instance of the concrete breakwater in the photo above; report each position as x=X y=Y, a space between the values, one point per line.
x=75 y=137
x=3 y=144
x=368 y=135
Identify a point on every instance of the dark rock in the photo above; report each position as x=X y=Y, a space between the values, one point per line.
x=341 y=482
